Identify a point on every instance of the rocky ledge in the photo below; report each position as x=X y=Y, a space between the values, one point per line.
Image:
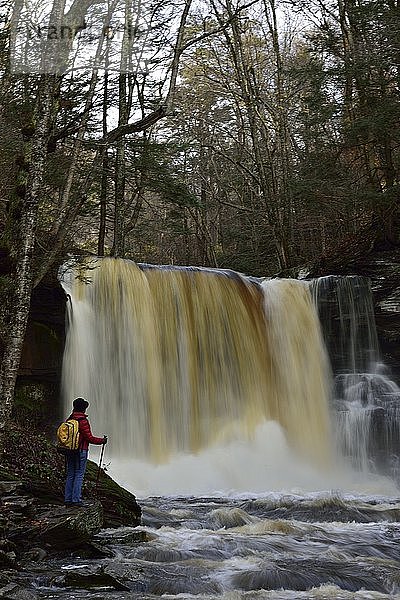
x=36 y=526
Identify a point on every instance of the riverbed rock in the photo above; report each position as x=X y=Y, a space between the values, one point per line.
x=33 y=516
x=14 y=591
x=122 y=536
x=34 y=555
x=9 y=487
x=64 y=528
x=91 y=577
x=32 y=524
x=7 y=559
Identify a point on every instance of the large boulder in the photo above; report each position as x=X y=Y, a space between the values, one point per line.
x=30 y=523
x=64 y=529
x=119 y=505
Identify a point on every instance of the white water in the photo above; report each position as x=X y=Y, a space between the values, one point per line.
x=367 y=400
x=258 y=466
x=326 y=546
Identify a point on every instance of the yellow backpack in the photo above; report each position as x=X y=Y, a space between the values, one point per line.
x=68 y=436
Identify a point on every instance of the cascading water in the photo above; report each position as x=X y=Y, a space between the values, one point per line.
x=300 y=366
x=181 y=359
x=367 y=401
x=347 y=316
x=205 y=373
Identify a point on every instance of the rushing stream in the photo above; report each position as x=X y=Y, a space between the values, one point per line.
x=276 y=546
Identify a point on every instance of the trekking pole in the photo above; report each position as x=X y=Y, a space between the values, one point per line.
x=100 y=463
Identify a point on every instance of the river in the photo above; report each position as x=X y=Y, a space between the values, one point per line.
x=275 y=546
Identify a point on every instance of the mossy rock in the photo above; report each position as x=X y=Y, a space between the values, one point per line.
x=31 y=458
x=119 y=505
x=30 y=403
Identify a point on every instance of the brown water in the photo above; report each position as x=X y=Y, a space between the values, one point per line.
x=180 y=360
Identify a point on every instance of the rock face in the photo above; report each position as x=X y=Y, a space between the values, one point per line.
x=32 y=514
x=382 y=267
x=41 y=361
x=35 y=531
x=44 y=341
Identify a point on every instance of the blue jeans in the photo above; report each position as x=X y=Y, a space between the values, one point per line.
x=76 y=467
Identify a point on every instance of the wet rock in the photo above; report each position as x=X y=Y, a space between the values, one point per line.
x=6 y=577
x=33 y=521
x=129 y=574
x=119 y=505
x=13 y=501
x=34 y=555
x=151 y=578
x=15 y=592
x=94 y=550
x=7 y=560
x=122 y=536
x=67 y=528
x=17 y=503
x=90 y=577
x=60 y=528
x=9 y=487
x=7 y=546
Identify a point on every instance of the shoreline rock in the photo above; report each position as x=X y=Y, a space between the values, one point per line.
x=35 y=526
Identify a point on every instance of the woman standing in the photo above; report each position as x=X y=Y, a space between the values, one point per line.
x=76 y=462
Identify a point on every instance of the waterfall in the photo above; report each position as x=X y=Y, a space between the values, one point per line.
x=301 y=370
x=367 y=401
x=346 y=312
x=186 y=362
x=180 y=359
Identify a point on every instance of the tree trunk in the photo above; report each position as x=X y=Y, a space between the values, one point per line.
x=123 y=116
x=36 y=150
x=104 y=175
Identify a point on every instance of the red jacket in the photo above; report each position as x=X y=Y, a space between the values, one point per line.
x=85 y=433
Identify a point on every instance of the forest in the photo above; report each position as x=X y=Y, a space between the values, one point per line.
x=254 y=135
